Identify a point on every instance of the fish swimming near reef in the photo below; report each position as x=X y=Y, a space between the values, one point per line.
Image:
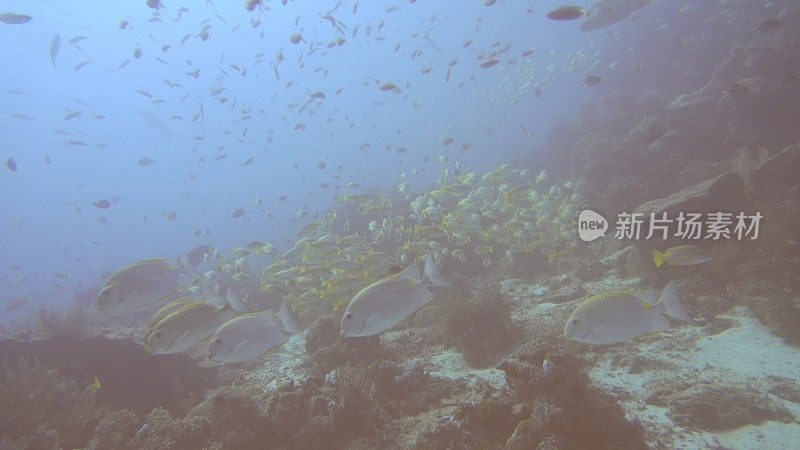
x=616 y=317
x=250 y=335
x=163 y=312
x=184 y=328
x=682 y=255
x=139 y=285
x=606 y=12
x=384 y=304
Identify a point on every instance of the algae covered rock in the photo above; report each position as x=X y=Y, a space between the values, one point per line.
x=723 y=407
x=480 y=327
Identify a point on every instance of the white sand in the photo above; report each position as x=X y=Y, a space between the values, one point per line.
x=747 y=354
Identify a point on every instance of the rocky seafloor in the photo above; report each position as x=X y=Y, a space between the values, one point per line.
x=480 y=367
x=484 y=365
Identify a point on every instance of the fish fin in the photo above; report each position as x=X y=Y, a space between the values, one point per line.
x=412 y=273
x=422 y=296
x=432 y=276
x=659 y=258
x=658 y=323
x=288 y=323
x=186 y=267
x=671 y=303
x=649 y=297
x=217 y=302
x=276 y=335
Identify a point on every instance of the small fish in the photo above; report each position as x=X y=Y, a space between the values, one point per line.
x=92 y=389
x=384 y=304
x=102 y=204
x=73 y=114
x=682 y=255
x=74 y=40
x=768 y=25
x=11 y=164
x=14 y=19
x=388 y=86
x=18 y=303
x=592 y=80
x=238 y=213
x=80 y=65
x=170 y=215
x=619 y=316
x=447 y=142
x=55 y=45
x=247 y=161
x=489 y=63
x=77 y=143
x=145 y=161
x=565 y=12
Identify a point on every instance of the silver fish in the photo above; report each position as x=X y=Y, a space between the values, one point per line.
x=55 y=45
x=138 y=286
x=616 y=317
x=606 y=12
x=250 y=335
x=387 y=302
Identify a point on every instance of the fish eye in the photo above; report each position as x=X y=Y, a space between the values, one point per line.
x=158 y=335
x=574 y=321
x=218 y=341
x=348 y=316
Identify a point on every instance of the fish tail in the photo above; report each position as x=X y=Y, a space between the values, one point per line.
x=671 y=303
x=659 y=258
x=288 y=323
x=432 y=276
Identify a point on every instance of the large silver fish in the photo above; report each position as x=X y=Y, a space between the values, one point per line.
x=616 y=317
x=603 y=13
x=184 y=328
x=250 y=335
x=138 y=286
x=387 y=302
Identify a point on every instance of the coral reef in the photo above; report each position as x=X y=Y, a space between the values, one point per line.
x=43 y=406
x=564 y=410
x=130 y=377
x=717 y=407
x=480 y=327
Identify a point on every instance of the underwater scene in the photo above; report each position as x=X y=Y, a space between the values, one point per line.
x=358 y=224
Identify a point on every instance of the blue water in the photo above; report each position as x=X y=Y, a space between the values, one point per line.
x=49 y=221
